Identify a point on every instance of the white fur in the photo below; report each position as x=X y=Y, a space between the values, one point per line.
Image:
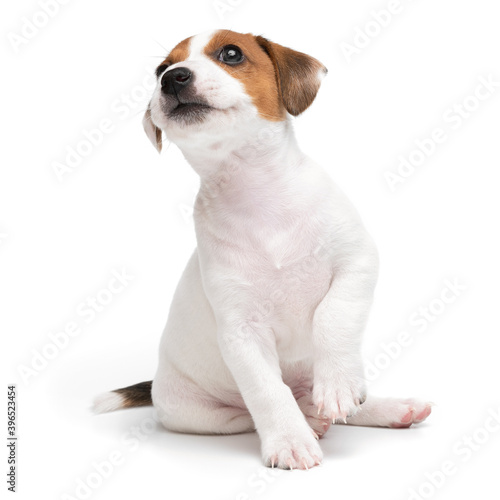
x=273 y=302
x=108 y=401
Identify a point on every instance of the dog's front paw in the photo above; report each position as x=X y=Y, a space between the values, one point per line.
x=339 y=397
x=292 y=450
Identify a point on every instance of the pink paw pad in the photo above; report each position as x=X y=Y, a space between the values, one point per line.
x=423 y=414
x=405 y=421
x=411 y=417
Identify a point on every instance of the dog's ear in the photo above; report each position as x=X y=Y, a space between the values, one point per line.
x=298 y=75
x=152 y=131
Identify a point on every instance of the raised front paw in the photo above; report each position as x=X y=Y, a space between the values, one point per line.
x=339 y=397
x=293 y=449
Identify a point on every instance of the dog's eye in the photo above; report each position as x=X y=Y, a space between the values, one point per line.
x=230 y=54
x=160 y=69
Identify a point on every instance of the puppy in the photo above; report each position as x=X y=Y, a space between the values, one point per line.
x=264 y=331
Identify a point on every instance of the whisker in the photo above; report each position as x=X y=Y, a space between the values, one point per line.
x=166 y=50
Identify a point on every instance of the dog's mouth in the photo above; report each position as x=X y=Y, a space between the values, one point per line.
x=190 y=111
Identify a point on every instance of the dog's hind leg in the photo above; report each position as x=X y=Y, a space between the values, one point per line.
x=184 y=407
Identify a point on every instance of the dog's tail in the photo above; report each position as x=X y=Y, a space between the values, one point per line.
x=128 y=397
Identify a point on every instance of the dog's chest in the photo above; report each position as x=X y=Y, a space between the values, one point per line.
x=292 y=273
x=276 y=278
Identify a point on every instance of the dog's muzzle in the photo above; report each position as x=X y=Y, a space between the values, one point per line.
x=180 y=101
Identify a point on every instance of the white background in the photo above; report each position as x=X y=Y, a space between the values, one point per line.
x=126 y=207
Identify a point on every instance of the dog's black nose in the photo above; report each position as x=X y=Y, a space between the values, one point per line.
x=175 y=80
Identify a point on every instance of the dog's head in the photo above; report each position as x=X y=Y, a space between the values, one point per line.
x=220 y=83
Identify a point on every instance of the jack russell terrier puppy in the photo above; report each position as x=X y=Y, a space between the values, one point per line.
x=264 y=331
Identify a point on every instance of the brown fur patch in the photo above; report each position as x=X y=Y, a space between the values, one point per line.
x=256 y=72
x=136 y=395
x=179 y=53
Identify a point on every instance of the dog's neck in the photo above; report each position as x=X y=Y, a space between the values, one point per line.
x=251 y=170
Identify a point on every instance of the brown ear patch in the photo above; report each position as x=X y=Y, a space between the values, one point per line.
x=299 y=75
x=256 y=72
